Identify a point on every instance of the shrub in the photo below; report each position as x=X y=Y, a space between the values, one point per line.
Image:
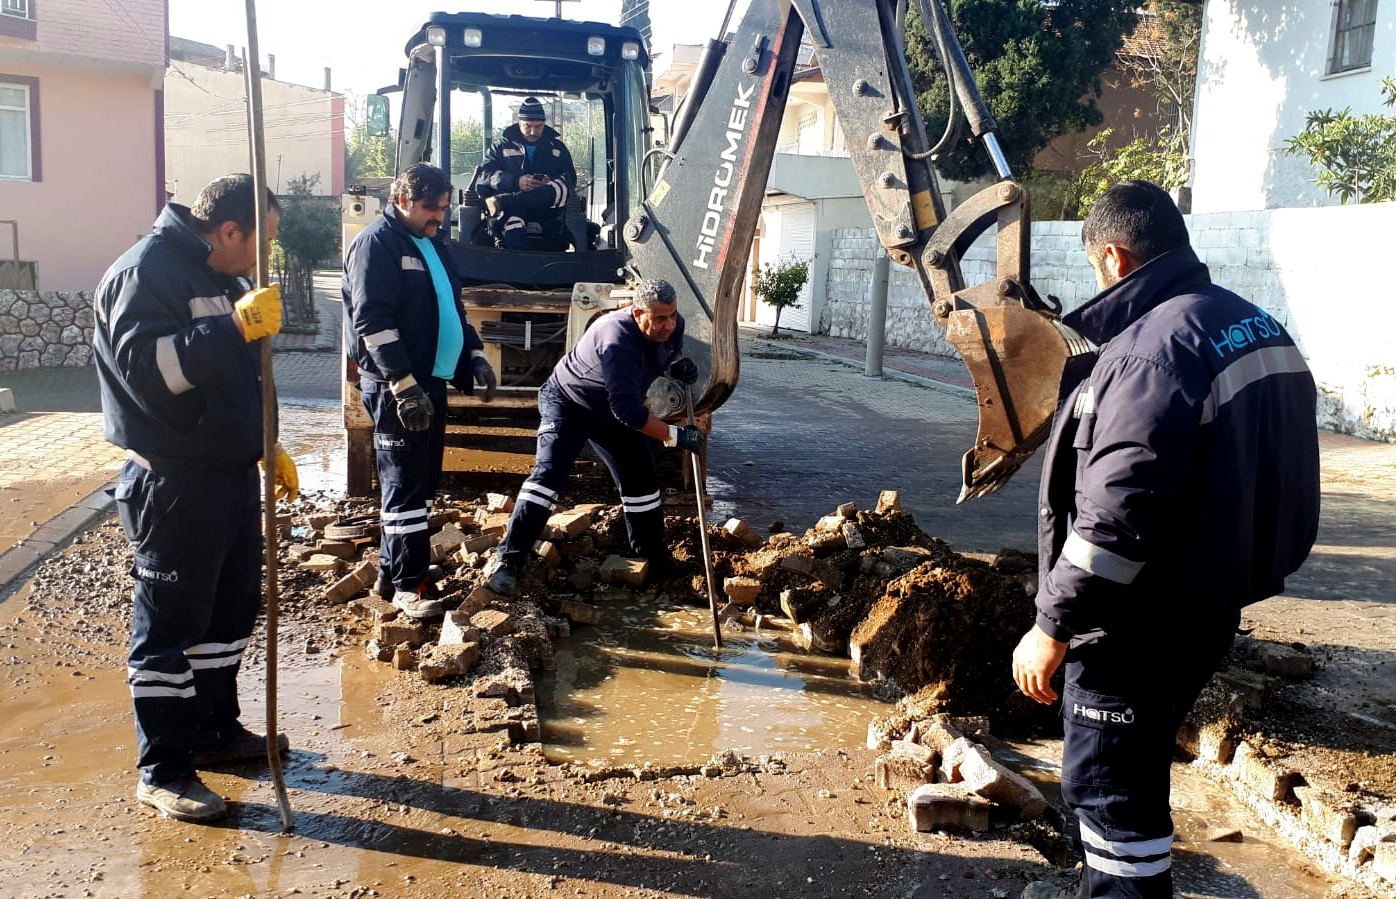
x=779 y=285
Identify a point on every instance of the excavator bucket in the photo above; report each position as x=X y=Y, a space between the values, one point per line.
x=1016 y=357
x=1014 y=345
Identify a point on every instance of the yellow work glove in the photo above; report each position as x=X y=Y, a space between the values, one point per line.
x=286 y=483
x=258 y=313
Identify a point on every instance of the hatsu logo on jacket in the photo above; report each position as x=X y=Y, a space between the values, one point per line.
x=1102 y=716
x=1239 y=335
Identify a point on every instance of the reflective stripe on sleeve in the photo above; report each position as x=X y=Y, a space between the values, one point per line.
x=1099 y=562
x=208 y=307
x=381 y=338
x=1248 y=370
x=167 y=361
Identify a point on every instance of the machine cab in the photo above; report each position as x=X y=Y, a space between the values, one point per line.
x=467 y=76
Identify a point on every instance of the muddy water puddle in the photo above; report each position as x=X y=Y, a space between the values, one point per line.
x=648 y=686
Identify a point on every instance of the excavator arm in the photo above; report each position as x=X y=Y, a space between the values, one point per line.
x=696 y=225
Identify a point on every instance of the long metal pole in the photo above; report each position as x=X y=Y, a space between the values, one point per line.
x=877 y=315
x=703 y=527
x=270 y=426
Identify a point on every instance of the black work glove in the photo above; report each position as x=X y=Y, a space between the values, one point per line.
x=414 y=408
x=691 y=439
x=484 y=377
x=683 y=370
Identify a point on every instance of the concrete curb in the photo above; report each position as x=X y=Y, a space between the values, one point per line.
x=889 y=374
x=18 y=561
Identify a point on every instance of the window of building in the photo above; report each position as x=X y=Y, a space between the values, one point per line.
x=17 y=19
x=17 y=158
x=1354 y=23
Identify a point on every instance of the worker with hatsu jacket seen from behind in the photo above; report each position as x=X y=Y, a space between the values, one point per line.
x=406 y=330
x=1181 y=483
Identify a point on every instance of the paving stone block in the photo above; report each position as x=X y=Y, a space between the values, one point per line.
x=437 y=663
x=403 y=659
x=620 y=570
x=574 y=609
x=399 y=632
x=374 y=608
x=972 y=763
x=906 y=767
x=456 y=629
x=477 y=599
x=357 y=580
x=548 y=552
x=320 y=520
x=1255 y=690
x=323 y=563
x=742 y=591
x=479 y=543
x=1384 y=860
x=852 y=537
x=888 y=501
x=937 y=733
x=800 y=604
x=812 y=636
x=797 y=563
x=1269 y=780
x=1328 y=815
x=743 y=532
x=438 y=520
x=1286 y=661
x=491 y=524
x=933 y=807
x=848 y=510
x=493 y=622
x=824 y=543
x=377 y=651
x=341 y=549
x=568 y=525
x=499 y=502
x=1365 y=840
x=829 y=523
x=446 y=541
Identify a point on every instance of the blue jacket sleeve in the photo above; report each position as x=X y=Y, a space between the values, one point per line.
x=624 y=393
x=1135 y=451
x=162 y=355
x=373 y=275
x=495 y=174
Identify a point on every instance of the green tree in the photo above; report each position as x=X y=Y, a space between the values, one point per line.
x=308 y=235
x=1355 y=155
x=1162 y=160
x=1038 y=65
x=366 y=156
x=467 y=149
x=779 y=285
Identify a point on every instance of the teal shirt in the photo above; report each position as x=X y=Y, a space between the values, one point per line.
x=450 y=336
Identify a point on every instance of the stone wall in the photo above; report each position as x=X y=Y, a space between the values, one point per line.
x=45 y=329
x=1313 y=269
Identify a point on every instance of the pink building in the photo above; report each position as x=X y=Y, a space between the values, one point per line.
x=81 y=134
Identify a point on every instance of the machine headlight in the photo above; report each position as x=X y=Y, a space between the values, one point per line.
x=630 y=50
x=436 y=36
x=596 y=46
x=473 y=37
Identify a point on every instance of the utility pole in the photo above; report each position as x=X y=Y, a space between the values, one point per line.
x=557 y=6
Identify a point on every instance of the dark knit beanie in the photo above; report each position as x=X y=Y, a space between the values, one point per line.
x=532 y=111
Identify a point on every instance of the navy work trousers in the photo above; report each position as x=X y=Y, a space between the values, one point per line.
x=197 y=538
x=409 y=471
x=563 y=433
x=1123 y=703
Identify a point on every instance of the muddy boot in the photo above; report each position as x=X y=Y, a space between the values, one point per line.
x=245 y=746
x=183 y=800
x=504 y=581
x=419 y=604
x=1041 y=889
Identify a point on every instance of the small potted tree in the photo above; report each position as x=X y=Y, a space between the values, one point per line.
x=779 y=285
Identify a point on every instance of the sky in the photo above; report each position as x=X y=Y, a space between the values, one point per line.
x=362 y=40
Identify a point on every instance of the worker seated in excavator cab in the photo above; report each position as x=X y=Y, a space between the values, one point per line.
x=527 y=188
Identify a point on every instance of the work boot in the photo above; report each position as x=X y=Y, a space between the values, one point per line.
x=384 y=587
x=418 y=604
x=667 y=568
x=504 y=581
x=245 y=746
x=1041 y=889
x=184 y=800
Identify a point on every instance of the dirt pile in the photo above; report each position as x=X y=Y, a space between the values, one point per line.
x=914 y=616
